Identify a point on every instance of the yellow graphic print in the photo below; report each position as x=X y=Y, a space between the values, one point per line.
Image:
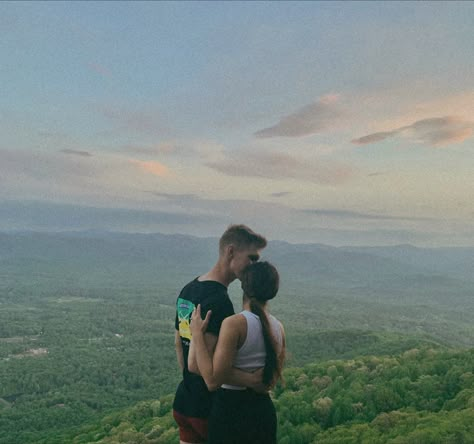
x=184 y=330
x=185 y=310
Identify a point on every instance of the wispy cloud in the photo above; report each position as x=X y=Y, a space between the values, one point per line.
x=278 y=165
x=76 y=153
x=280 y=194
x=311 y=119
x=437 y=131
x=152 y=167
x=174 y=197
x=346 y=214
x=163 y=148
x=74 y=177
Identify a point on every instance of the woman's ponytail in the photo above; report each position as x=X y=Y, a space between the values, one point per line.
x=260 y=282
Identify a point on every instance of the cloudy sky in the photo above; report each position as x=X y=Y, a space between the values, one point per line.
x=338 y=123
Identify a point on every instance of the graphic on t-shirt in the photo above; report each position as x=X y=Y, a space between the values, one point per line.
x=185 y=309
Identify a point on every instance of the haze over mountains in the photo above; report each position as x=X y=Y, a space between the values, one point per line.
x=376 y=288
x=189 y=253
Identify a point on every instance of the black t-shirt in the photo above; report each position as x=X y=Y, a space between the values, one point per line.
x=192 y=397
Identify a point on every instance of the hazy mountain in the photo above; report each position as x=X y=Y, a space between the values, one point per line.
x=389 y=267
x=454 y=261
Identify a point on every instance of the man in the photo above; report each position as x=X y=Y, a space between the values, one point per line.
x=238 y=247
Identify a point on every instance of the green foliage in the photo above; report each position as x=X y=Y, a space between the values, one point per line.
x=86 y=341
x=359 y=411
x=104 y=352
x=421 y=396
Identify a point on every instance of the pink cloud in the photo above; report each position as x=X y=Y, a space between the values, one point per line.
x=151 y=167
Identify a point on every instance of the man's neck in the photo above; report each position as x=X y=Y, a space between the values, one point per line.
x=220 y=274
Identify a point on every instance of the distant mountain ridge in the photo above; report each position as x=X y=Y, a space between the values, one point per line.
x=194 y=254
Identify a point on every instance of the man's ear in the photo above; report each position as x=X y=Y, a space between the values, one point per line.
x=230 y=251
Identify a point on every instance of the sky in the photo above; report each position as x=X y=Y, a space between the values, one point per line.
x=342 y=123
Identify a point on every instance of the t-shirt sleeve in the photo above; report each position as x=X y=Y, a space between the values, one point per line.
x=221 y=309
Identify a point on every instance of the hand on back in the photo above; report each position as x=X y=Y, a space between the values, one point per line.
x=199 y=325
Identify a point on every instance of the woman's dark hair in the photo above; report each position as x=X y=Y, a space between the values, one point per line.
x=260 y=282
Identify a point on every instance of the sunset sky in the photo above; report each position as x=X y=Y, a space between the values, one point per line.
x=339 y=123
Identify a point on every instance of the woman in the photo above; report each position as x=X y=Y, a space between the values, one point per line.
x=249 y=340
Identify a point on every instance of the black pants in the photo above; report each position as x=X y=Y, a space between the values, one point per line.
x=242 y=417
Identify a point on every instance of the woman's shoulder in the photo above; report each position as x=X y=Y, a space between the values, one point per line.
x=234 y=320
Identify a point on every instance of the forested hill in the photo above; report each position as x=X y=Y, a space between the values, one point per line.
x=419 y=397
x=87 y=323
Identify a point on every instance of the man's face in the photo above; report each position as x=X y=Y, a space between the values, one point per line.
x=243 y=257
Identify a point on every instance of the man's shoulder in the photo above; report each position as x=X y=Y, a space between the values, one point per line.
x=204 y=292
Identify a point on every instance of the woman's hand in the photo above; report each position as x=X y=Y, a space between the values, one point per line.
x=199 y=325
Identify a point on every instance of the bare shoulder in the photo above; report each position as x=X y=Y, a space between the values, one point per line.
x=235 y=322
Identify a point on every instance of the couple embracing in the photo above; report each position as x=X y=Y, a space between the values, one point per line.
x=229 y=361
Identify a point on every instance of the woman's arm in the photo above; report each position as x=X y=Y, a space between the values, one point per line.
x=211 y=341
x=215 y=369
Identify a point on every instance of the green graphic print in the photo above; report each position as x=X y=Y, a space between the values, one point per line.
x=185 y=309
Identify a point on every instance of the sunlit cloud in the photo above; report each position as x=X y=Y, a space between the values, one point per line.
x=437 y=131
x=57 y=175
x=311 y=119
x=278 y=165
x=152 y=167
x=76 y=153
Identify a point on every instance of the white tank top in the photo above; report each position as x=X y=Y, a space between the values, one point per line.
x=252 y=354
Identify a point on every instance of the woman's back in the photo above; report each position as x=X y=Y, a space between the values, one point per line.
x=251 y=355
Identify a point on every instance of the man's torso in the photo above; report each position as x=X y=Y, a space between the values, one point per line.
x=192 y=397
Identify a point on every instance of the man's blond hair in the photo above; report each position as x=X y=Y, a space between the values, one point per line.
x=241 y=237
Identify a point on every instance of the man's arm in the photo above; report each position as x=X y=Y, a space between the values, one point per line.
x=179 y=350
